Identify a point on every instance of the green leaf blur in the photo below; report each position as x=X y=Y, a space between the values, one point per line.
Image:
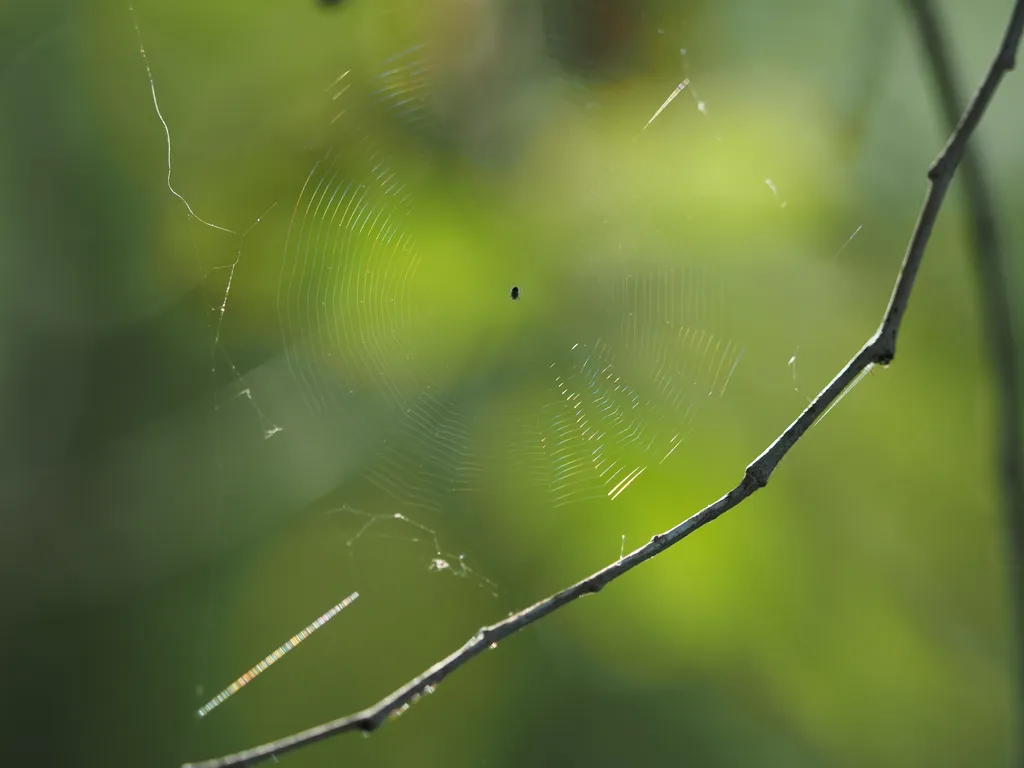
x=209 y=430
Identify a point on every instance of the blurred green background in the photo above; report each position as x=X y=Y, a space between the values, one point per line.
x=206 y=436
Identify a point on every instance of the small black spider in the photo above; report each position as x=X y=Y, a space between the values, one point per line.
x=515 y=293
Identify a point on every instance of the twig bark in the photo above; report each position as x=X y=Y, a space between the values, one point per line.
x=997 y=328
x=879 y=350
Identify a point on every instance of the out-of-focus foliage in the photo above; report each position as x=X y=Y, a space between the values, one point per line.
x=189 y=415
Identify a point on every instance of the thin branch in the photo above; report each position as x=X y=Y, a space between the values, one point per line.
x=997 y=325
x=879 y=350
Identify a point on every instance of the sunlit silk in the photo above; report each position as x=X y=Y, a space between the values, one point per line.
x=249 y=676
x=676 y=91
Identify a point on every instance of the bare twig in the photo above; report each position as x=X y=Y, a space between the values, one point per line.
x=997 y=326
x=879 y=350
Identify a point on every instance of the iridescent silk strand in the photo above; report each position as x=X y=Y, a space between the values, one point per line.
x=249 y=676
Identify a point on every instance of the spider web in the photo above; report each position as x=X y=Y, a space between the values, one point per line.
x=399 y=330
x=359 y=299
